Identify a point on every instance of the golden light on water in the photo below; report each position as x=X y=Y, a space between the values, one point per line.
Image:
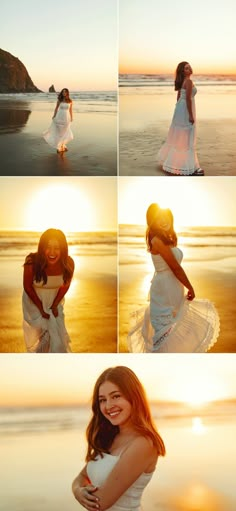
x=59 y=206
x=199 y=497
x=198 y=428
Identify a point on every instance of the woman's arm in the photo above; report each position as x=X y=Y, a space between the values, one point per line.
x=61 y=292
x=189 y=86
x=166 y=252
x=28 y=278
x=71 y=116
x=55 y=111
x=83 y=491
x=139 y=457
x=178 y=95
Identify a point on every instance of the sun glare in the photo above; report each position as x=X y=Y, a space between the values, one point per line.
x=61 y=207
x=197 y=391
x=198 y=427
x=194 y=208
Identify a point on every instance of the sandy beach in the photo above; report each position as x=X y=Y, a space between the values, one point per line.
x=92 y=152
x=90 y=304
x=144 y=122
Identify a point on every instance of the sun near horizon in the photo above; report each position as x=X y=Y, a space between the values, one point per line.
x=204 y=202
x=70 y=380
x=70 y=204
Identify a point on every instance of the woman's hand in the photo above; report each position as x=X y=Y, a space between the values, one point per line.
x=190 y=294
x=44 y=314
x=54 y=310
x=85 y=497
x=191 y=119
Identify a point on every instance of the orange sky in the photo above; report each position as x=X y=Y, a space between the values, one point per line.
x=31 y=380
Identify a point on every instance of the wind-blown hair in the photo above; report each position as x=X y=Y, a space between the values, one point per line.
x=100 y=432
x=160 y=223
x=179 y=75
x=61 y=97
x=39 y=261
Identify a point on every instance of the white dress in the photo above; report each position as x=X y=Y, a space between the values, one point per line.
x=178 y=154
x=59 y=133
x=171 y=323
x=45 y=335
x=98 y=471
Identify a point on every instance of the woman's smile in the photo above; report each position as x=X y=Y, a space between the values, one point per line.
x=113 y=405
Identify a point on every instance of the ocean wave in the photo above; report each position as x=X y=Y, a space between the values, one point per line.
x=39 y=420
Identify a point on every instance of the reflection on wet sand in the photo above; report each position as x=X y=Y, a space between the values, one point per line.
x=12 y=120
x=92 y=152
x=198 y=497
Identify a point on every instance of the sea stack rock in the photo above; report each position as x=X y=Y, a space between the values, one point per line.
x=14 y=76
x=51 y=89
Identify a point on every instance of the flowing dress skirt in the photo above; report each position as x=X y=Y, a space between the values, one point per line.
x=178 y=154
x=59 y=133
x=171 y=323
x=45 y=335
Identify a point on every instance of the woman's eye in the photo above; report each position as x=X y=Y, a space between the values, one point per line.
x=116 y=396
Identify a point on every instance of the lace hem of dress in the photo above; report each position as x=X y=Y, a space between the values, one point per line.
x=195 y=329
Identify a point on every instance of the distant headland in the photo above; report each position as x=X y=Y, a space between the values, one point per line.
x=14 y=77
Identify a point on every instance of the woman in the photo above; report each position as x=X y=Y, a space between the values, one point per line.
x=178 y=155
x=123 y=444
x=59 y=133
x=173 y=322
x=47 y=278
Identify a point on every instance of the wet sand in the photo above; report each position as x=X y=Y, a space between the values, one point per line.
x=24 y=152
x=216 y=285
x=90 y=313
x=144 y=123
x=43 y=466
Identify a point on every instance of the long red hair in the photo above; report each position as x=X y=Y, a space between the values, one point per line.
x=100 y=432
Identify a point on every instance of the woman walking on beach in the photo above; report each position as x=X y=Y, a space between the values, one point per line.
x=59 y=133
x=47 y=278
x=123 y=445
x=178 y=155
x=173 y=322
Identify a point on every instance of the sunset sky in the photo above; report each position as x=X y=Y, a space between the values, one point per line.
x=70 y=204
x=69 y=380
x=194 y=202
x=69 y=44
x=155 y=36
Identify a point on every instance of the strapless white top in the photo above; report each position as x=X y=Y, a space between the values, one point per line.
x=98 y=471
x=161 y=265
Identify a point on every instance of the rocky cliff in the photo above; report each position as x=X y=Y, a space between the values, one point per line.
x=14 y=76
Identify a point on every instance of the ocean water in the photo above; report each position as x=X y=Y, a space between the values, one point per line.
x=197 y=243
x=98 y=247
x=146 y=100
x=162 y=83
x=83 y=101
x=18 y=243
x=40 y=419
